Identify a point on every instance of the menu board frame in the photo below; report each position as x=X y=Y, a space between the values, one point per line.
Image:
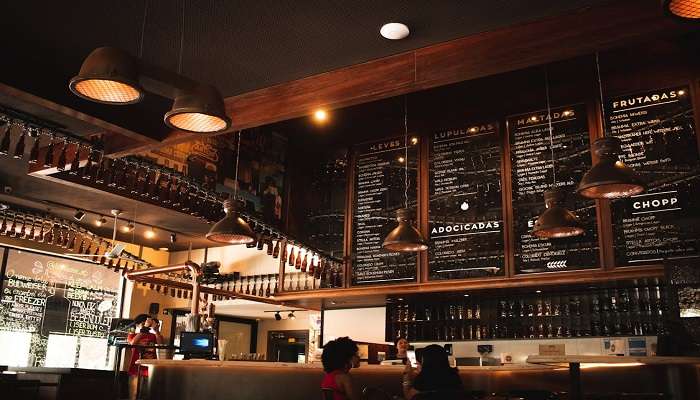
x=351 y=210
x=693 y=87
x=595 y=221
x=499 y=130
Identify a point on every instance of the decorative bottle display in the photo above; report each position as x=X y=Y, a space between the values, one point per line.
x=56 y=311
x=633 y=310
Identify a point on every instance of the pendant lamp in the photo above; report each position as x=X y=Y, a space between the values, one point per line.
x=199 y=110
x=685 y=10
x=556 y=221
x=609 y=178
x=232 y=229
x=108 y=75
x=405 y=238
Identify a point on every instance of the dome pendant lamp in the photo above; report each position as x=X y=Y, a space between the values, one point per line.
x=405 y=238
x=232 y=229
x=609 y=178
x=556 y=221
x=684 y=10
x=199 y=110
x=110 y=76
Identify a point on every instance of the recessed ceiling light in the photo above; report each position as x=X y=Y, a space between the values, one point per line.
x=320 y=115
x=466 y=295
x=394 y=31
x=538 y=291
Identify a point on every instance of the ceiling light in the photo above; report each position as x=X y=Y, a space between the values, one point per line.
x=394 y=31
x=538 y=291
x=163 y=249
x=199 y=110
x=278 y=317
x=101 y=221
x=232 y=229
x=401 y=159
x=414 y=140
x=609 y=178
x=320 y=115
x=108 y=75
x=128 y=227
x=466 y=295
x=686 y=10
x=405 y=237
x=150 y=233
x=556 y=221
x=291 y=316
x=79 y=215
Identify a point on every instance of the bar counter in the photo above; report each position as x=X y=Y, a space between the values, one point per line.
x=187 y=379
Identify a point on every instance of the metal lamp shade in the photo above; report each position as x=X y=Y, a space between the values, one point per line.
x=556 y=221
x=686 y=10
x=404 y=238
x=232 y=229
x=199 y=110
x=609 y=178
x=108 y=75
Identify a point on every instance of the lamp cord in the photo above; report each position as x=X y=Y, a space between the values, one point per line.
x=143 y=28
x=182 y=39
x=551 y=133
x=405 y=139
x=238 y=156
x=600 y=90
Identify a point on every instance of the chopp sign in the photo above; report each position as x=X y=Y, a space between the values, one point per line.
x=655 y=202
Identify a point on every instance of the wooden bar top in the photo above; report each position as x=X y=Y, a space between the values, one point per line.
x=657 y=360
x=264 y=364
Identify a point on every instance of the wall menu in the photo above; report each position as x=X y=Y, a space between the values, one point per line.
x=379 y=192
x=532 y=169
x=659 y=141
x=44 y=295
x=466 y=208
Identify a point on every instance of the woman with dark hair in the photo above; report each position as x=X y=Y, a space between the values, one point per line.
x=436 y=378
x=338 y=357
x=401 y=347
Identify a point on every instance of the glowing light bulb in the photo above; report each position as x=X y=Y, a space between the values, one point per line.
x=464 y=206
x=320 y=115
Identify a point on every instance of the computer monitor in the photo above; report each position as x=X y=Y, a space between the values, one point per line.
x=197 y=343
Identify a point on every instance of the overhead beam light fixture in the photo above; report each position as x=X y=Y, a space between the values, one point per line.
x=684 y=10
x=112 y=76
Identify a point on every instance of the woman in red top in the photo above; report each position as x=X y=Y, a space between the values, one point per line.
x=338 y=357
x=146 y=334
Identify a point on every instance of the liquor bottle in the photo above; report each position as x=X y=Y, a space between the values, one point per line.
x=297 y=264
x=56 y=311
x=305 y=263
x=292 y=258
x=267 y=289
x=261 y=292
x=276 y=250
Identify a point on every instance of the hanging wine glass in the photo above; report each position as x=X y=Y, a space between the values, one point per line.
x=75 y=162
x=19 y=147
x=49 y=158
x=49 y=237
x=163 y=188
x=148 y=182
x=24 y=230
x=6 y=138
x=99 y=171
x=13 y=228
x=3 y=226
x=61 y=165
x=32 y=230
x=88 y=165
x=174 y=193
x=34 y=152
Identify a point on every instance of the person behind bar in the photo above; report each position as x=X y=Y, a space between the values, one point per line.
x=401 y=346
x=339 y=356
x=435 y=379
x=146 y=334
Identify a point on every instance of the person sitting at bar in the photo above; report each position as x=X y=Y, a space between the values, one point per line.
x=339 y=356
x=145 y=334
x=401 y=346
x=435 y=379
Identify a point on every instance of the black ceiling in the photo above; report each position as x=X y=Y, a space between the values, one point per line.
x=238 y=46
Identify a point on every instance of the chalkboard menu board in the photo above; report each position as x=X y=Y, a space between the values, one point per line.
x=659 y=141
x=466 y=208
x=379 y=192
x=531 y=172
x=44 y=296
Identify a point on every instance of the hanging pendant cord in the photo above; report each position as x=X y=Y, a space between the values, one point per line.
x=405 y=158
x=600 y=89
x=182 y=39
x=238 y=156
x=551 y=133
x=143 y=28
